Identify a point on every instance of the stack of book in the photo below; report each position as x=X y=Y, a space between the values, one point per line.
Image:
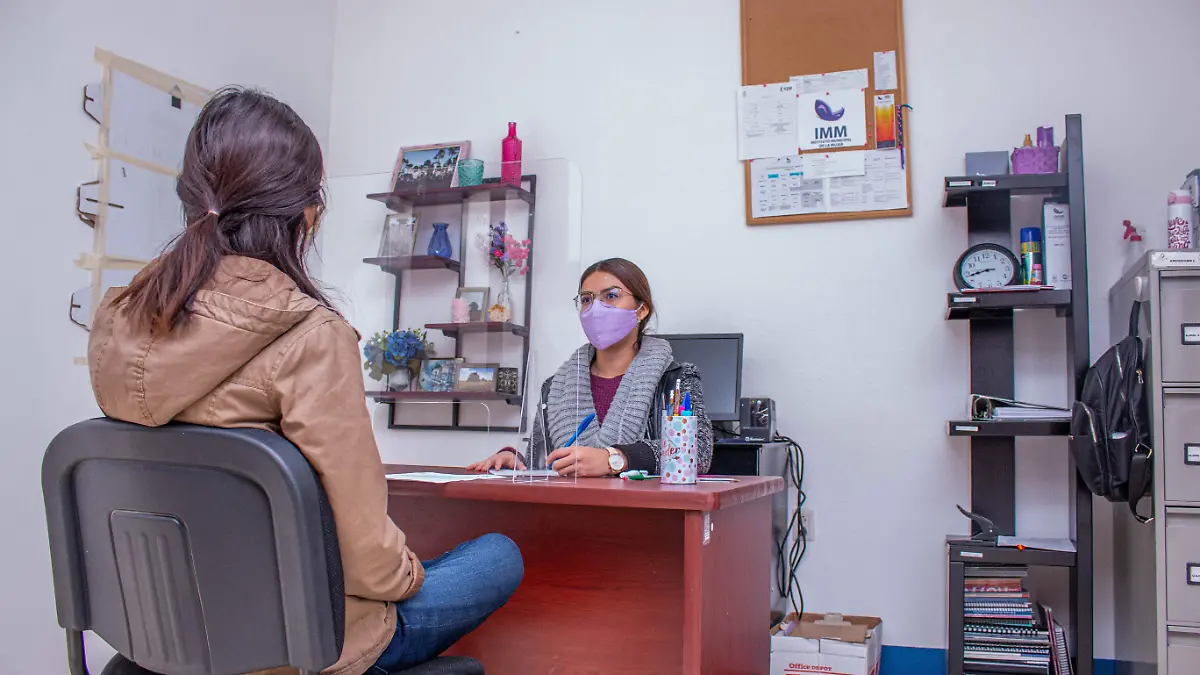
x=1000 y=631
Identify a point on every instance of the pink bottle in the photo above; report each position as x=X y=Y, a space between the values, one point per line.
x=510 y=148
x=1179 y=220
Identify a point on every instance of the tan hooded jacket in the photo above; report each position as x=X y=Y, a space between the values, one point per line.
x=257 y=352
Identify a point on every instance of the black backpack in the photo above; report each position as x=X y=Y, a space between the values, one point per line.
x=1110 y=424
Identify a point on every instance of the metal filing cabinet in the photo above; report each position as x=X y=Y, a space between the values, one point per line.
x=1156 y=565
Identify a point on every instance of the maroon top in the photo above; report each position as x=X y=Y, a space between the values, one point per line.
x=603 y=391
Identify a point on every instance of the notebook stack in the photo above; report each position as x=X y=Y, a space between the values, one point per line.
x=1000 y=632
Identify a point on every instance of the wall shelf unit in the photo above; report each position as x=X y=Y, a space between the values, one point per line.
x=1001 y=305
x=993 y=443
x=494 y=193
x=403 y=263
x=433 y=396
x=1007 y=428
x=454 y=330
x=959 y=188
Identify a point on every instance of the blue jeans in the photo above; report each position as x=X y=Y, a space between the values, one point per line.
x=462 y=588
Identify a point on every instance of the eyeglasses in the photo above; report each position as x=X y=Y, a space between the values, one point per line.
x=609 y=296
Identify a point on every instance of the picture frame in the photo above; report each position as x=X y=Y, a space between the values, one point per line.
x=477 y=301
x=507 y=381
x=474 y=377
x=399 y=238
x=438 y=375
x=428 y=167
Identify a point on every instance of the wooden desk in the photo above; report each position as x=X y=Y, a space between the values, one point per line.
x=621 y=577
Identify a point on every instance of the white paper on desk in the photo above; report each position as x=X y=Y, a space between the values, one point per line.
x=766 y=120
x=832 y=119
x=835 y=164
x=885 y=71
x=822 y=82
x=778 y=187
x=882 y=187
x=1042 y=543
x=435 y=477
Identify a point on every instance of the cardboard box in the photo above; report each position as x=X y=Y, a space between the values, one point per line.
x=826 y=644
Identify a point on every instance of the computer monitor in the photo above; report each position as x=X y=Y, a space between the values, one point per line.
x=718 y=356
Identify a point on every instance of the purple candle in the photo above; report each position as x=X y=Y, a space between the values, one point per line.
x=1045 y=137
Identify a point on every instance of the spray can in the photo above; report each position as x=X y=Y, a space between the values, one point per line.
x=1179 y=220
x=1031 y=255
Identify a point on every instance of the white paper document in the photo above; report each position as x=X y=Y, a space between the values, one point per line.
x=823 y=82
x=435 y=477
x=832 y=119
x=885 y=71
x=835 y=164
x=766 y=120
x=782 y=186
x=778 y=188
x=882 y=187
x=1022 y=413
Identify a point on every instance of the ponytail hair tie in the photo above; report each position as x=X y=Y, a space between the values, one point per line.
x=215 y=212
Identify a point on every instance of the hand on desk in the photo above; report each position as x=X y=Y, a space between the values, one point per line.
x=580 y=460
x=505 y=459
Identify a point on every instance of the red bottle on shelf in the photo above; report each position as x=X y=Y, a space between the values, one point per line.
x=510 y=148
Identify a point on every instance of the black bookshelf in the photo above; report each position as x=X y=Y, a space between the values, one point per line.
x=993 y=443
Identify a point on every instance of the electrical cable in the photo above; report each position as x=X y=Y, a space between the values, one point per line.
x=788 y=580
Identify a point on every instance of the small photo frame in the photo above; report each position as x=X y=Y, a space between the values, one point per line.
x=428 y=167
x=437 y=375
x=399 y=236
x=477 y=302
x=481 y=378
x=507 y=381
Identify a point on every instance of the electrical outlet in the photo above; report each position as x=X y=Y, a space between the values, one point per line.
x=808 y=523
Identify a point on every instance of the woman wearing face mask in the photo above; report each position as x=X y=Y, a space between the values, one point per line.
x=622 y=376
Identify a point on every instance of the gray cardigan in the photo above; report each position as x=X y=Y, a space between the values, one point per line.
x=644 y=453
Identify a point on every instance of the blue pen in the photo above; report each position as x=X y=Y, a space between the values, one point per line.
x=582 y=425
x=579 y=430
x=686 y=410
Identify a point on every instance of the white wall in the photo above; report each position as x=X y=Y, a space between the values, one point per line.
x=46 y=50
x=843 y=321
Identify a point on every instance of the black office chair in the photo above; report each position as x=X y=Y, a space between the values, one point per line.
x=195 y=551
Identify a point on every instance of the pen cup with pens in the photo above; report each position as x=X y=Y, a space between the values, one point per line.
x=679 y=449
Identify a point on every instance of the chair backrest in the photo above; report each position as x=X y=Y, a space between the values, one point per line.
x=193 y=550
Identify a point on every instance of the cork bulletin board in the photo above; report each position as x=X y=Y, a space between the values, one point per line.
x=782 y=39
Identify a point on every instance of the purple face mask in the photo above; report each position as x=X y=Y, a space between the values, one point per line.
x=606 y=325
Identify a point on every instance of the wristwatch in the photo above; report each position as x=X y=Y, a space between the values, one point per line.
x=616 y=460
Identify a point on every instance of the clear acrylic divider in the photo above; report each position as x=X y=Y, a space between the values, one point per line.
x=424 y=258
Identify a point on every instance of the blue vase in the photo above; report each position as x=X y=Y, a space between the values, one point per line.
x=439 y=243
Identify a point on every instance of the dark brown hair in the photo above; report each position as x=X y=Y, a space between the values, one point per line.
x=634 y=280
x=251 y=167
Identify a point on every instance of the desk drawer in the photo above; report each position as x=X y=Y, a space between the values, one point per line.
x=1181 y=440
x=1180 y=325
x=1183 y=651
x=1183 y=565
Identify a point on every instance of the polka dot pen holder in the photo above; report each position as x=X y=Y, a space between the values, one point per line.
x=679 y=457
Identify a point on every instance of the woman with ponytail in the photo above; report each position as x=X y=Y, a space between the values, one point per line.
x=227 y=329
